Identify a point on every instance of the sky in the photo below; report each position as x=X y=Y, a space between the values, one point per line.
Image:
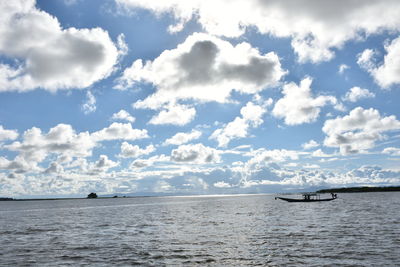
x=198 y=96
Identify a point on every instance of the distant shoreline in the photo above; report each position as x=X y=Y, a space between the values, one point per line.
x=61 y=198
x=360 y=189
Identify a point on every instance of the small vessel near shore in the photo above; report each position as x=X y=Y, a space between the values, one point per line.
x=308 y=197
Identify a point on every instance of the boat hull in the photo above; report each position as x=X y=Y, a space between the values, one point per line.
x=304 y=200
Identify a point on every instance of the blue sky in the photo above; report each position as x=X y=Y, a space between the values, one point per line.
x=197 y=97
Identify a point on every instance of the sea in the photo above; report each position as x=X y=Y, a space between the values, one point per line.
x=358 y=229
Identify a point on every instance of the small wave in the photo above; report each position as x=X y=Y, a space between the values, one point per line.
x=199 y=235
x=84 y=248
x=30 y=230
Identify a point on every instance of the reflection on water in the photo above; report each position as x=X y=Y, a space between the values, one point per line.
x=354 y=230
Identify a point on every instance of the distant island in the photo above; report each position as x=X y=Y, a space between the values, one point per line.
x=92 y=195
x=6 y=199
x=360 y=189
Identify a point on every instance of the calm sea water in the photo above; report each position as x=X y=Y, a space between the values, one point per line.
x=354 y=230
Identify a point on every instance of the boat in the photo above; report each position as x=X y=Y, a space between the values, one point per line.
x=308 y=197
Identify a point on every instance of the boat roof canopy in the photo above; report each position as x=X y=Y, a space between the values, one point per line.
x=310 y=194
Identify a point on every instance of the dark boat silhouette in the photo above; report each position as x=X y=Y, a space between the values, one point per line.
x=308 y=197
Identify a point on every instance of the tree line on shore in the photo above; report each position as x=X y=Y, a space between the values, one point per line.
x=360 y=189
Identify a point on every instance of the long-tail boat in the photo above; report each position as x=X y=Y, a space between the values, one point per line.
x=308 y=197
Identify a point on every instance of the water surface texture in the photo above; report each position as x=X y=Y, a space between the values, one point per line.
x=253 y=230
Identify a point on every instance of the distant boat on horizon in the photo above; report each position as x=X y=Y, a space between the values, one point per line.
x=308 y=197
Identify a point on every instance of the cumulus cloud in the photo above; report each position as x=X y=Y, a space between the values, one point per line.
x=222 y=184
x=321 y=154
x=134 y=151
x=69 y=147
x=393 y=151
x=122 y=45
x=54 y=168
x=311 y=166
x=239 y=127
x=175 y=115
x=204 y=68
x=264 y=162
x=104 y=163
x=314 y=177
x=19 y=165
x=372 y=174
x=60 y=140
x=275 y=155
x=90 y=105
x=268 y=177
x=93 y=169
x=122 y=131
x=274 y=177
x=140 y=163
x=310 y=144
x=316 y=27
x=182 y=138
x=343 y=68
x=7 y=134
x=366 y=59
x=162 y=186
x=387 y=73
x=356 y=93
x=143 y=163
x=195 y=153
x=298 y=106
x=123 y=115
x=358 y=131
x=49 y=56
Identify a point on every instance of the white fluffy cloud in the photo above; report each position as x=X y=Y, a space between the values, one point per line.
x=239 y=127
x=222 y=184
x=273 y=176
x=315 y=26
x=358 y=131
x=123 y=115
x=122 y=131
x=321 y=154
x=7 y=134
x=103 y=164
x=60 y=140
x=175 y=115
x=68 y=146
x=143 y=163
x=371 y=174
x=343 y=68
x=366 y=59
x=298 y=105
x=90 y=105
x=133 y=151
x=356 y=93
x=49 y=56
x=388 y=73
x=263 y=157
x=393 y=151
x=183 y=138
x=310 y=144
x=195 y=153
x=19 y=165
x=204 y=68
x=54 y=168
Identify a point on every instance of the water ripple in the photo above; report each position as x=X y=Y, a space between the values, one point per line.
x=355 y=230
